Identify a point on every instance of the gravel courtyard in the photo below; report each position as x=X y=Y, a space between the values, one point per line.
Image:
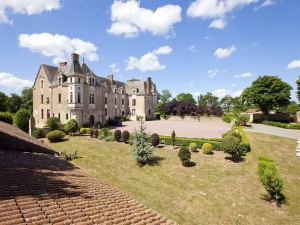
x=193 y=129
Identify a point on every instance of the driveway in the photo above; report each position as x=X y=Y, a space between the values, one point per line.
x=192 y=129
x=277 y=131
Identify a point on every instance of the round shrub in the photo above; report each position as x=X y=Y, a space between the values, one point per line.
x=55 y=136
x=37 y=133
x=91 y=132
x=231 y=145
x=6 y=117
x=193 y=147
x=184 y=155
x=21 y=119
x=155 y=140
x=125 y=136
x=84 y=130
x=53 y=123
x=95 y=132
x=233 y=133
x=117 y=135
x=207 y=148
x=71 y=126
x=105 y=132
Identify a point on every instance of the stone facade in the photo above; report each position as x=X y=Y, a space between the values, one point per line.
x=75 y=92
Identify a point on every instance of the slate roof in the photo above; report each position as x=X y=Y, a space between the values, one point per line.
x=50 y=71
x=137 y=84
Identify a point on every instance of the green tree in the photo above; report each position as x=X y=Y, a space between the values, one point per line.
x=27 y=99
x=53 y=123
x=208 y=100
x=226 y=103
x=165 y=96
x=14 y=103
x=3 y=102
x=292 y=108
x=21 y=119
x=185 y=97
x=298 y=88
x=268 y=93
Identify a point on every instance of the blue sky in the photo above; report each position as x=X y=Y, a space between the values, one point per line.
x=191 y=46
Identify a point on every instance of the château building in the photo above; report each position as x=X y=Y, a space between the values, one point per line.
x=73 y=91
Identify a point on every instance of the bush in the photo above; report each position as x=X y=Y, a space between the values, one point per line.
x=282 y=125
x=6 y=117
x=244 y=118
x=94 y=132
x=84 y=130
x=193 y=147
x=125 y=136
x=207 y=148
x=231 y=145
x=108 y=138
x=71 y=126
x=245 y=145
x=105 y=132
x=226 y=118
x=173 y=138
x=155 y=140
x=270 y=178
x=55 y=136
x=184 y=155
x=233 y=133
x=117 y=135
x=38 y=133
x=53 y=123
x=21 y=119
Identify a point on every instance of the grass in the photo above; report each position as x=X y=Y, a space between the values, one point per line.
x=215 y=191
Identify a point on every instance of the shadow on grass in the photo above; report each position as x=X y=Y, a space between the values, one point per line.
x=190 y=164
x=280 y=201
x=155 y=161
x=235 y=160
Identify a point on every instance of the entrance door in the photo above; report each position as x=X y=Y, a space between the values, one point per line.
x=92 y=119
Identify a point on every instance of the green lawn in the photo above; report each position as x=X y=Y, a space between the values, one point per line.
x=215 y=191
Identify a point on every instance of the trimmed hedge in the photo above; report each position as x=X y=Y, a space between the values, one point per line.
x=84 y=130
x=282 y=125
x=37 y=133
x=245 y=145
x=6 y=117
x=55 y=136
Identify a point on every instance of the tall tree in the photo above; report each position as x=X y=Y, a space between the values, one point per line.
x=14 y=103
x=165 y=96
x=3 y=102
x=208 y=100
x=185 y=97
x=298 y=89
x=268 y=92
x=27 y=99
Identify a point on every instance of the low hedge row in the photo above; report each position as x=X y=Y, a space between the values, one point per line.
x=282 y=125
x=6 y=117
x=245 y=145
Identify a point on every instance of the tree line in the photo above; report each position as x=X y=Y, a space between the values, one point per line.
x=14 y=102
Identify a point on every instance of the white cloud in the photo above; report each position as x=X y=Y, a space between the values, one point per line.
x=58 y=46
x=244 y=75
x=216 y=10
x=193 y=49
x=224 y=52
x=164 y=50
x=28 y=7
x=11 y=81
x=129 y=19
x=265 y=3
x=114 y=68
x=294 y=64
x=149 y=61
x=221 y=92
x=212 y=73
x=236 y=93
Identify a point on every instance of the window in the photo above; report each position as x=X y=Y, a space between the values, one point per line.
x=122 y=101
x=42 y=99
x=59 y=81
x=105 y=111
x=71 y=79
x=78 y=80
x=42 y=114
x=71 y=97
x=134 y=92
x=78 y=97
x=133 y=111
x=115 y=90
x=149 y=111
x=67 y=116
x=115 y=101
x=115 y=112
x=93 y=82
x=137 y=90
x=133 y=102
x=90 y=81
x=42 y=84
x=59 y=98
x=48 y=113
x=93 y=99
x=58 y=115
x=53 y=115
x=105 y=100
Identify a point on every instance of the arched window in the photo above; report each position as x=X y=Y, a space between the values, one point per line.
x=42 y=84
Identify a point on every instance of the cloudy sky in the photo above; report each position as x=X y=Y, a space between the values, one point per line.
x=191 y=46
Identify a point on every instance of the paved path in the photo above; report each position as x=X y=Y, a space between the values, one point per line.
x=192 y=129
x=266 y=129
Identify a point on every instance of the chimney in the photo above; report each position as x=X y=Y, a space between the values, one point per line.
x=110 y=77
x=149 y=85
x=75 y=57
x=61 y=64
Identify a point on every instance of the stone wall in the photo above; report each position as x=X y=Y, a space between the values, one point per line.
x=277 y=117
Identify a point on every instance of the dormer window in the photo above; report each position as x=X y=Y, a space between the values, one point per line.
x=134 y=91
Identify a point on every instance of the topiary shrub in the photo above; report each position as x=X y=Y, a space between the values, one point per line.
x=84 y=130
x=270 y=178
x=21 y=119
x=53 y=123
x=95 y=133
x=6 y=117
x=207 y=148
x=155 y=140
x=226 y=118
x=184 y=155
x=173 y=138
x=233 y=133
x=193 y=147
x=125 y=136
x=38 y=133
x=117 y=135
x=55 y=136
x=105 y=132
x=71 y=126
x=231 y=145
